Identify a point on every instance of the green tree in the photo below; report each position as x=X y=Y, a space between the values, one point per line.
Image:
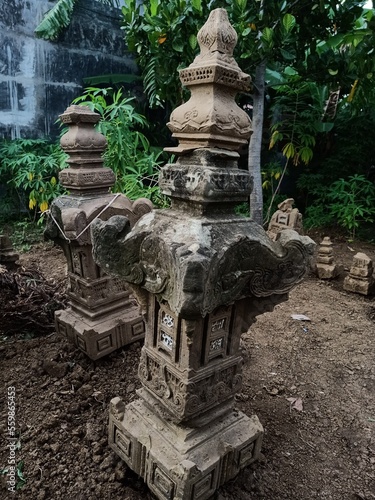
x=317 y=41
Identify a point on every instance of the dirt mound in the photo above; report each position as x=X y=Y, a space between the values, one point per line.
x=311 y=383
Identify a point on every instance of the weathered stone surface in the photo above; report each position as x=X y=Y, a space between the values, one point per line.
x=8 y=256
x=361 y=276
x=325 y=265
x=201 y=275
x=201 y=263
x=183 y=462
x=285 y=218
x=102 y=315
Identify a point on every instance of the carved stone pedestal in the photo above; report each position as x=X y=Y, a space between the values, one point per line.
x=102 y=316
x=285 y=217
x=178 y=462
x=99 y=337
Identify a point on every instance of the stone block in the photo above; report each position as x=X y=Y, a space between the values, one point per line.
x=183 y=463
x=99 y=337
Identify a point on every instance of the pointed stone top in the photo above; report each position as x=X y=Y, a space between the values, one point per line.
x=217 y=34
x=361 y=259
x=211 y=118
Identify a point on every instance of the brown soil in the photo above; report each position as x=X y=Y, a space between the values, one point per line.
x=312 y=385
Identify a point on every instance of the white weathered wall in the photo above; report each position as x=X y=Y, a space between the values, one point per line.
x=38 y=79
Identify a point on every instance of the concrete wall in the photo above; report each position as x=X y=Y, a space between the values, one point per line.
x=38 y=79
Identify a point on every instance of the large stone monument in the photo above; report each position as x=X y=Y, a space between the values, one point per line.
x=102 y=315
x=201 y=274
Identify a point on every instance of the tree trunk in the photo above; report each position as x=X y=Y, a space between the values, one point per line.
x=255 y=145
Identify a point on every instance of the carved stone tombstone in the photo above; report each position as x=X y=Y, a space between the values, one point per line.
x=102 y=315
x=325 y=265
x=202 y=274
x=285 y=217
x=361 y=275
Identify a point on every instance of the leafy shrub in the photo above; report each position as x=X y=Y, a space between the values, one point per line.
x=348 y=202
x=29 y=168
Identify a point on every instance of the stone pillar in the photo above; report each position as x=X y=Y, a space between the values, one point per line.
x=102 y=315
x=361 y=275
x=285 y=217
x=202 y=274
x=8 y=257
x=325 y=265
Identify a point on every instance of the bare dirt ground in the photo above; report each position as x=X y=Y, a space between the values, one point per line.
x=312 y=385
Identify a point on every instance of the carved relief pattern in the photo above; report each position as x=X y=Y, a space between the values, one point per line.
x=208 y=183
x=188 y=398
x=217 y=34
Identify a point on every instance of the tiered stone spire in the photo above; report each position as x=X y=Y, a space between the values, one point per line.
x=202 y=274
x=325 y=265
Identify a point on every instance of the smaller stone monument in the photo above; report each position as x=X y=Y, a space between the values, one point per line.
x=360 y=278
x=8 y=256
x=102 y=315
x=325 y=266
x=285 y=218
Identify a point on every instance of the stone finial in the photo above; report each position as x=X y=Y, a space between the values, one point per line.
x=325 y=265
x=211 y=118
x=285 y=217
x=84 y=145
x=360 y=278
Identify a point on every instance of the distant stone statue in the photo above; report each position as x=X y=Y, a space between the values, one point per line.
x=325 y=265
x=285 y=218
x=8 y=256
x=361 y=277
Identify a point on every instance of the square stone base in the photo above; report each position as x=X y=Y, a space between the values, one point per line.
x=183 y=463
x=365 y=286
x=99 y=337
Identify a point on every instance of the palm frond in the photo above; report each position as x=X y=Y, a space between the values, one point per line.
x=59 y=17
x=55 y=20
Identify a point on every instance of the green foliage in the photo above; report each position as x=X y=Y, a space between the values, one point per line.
x=129 y=153
x=23 y=233
x=21 y=479
x=55 y=20
x=30 y=169
x=162 y=35
x=300 y=107
x=353 y=202
x=348 y=202
x=59 y=17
